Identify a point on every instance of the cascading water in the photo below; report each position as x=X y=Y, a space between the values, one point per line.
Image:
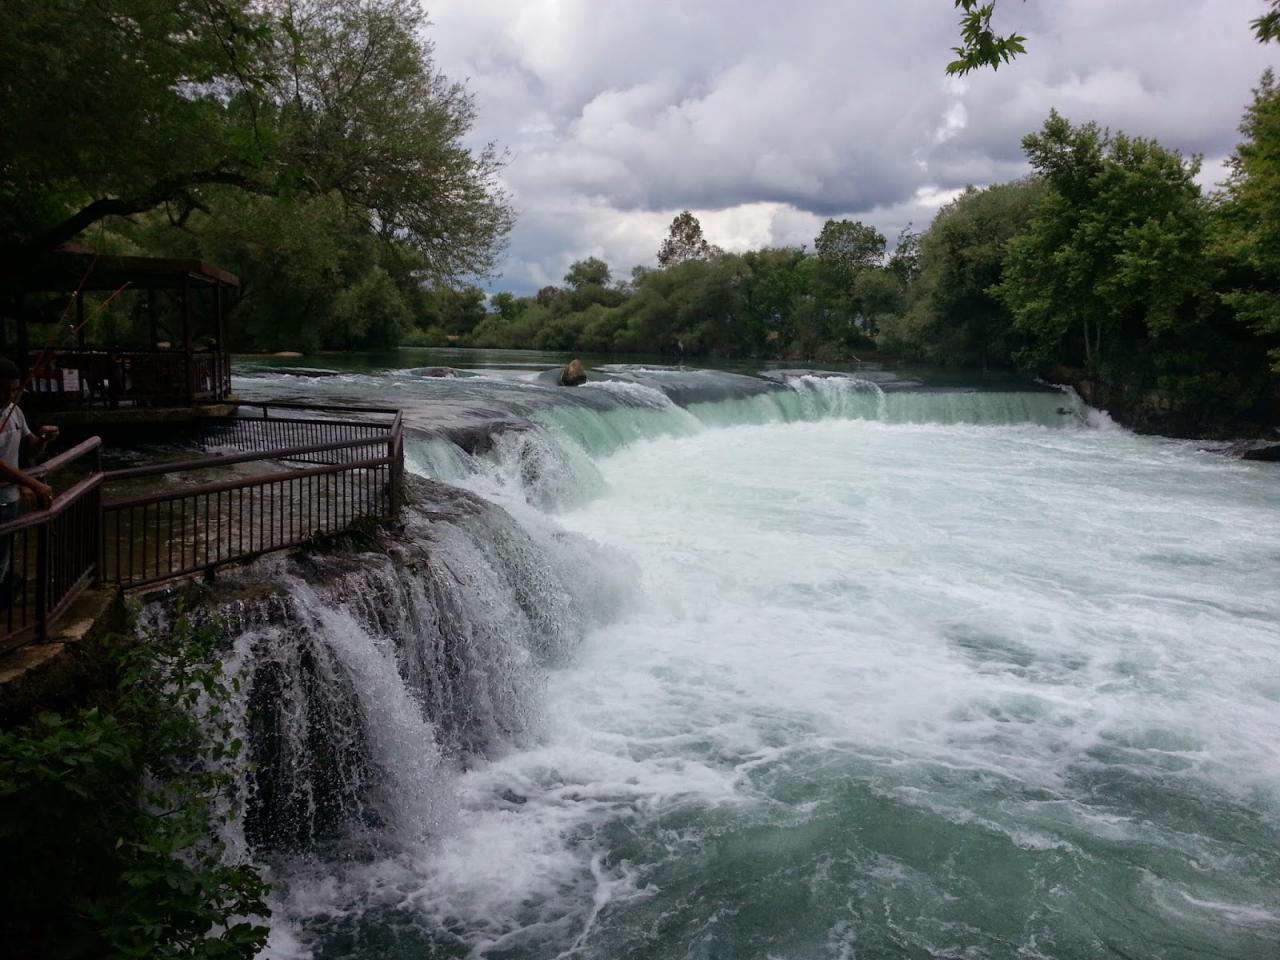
x=679 y=666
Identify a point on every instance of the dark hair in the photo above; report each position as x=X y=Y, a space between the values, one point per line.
x=9 y=370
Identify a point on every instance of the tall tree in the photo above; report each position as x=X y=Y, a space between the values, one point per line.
x=1115 y=247
x=1249 y=218
x=684 y=241
x=118 y=107
x=954 y=319
x=847 y=247
x=363 y=112
x=589 y=272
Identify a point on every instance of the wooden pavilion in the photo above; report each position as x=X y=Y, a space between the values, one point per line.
x=185 y=362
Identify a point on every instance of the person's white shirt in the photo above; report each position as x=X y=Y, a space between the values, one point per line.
x=11 y=437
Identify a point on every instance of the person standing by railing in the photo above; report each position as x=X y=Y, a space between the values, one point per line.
x=15 y=438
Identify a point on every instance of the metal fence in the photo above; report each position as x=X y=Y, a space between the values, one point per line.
x=190 y=518
x=268 y=430
x=197 y=527
x=48 y=556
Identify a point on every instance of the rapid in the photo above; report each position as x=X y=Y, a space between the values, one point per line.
x=696 y=664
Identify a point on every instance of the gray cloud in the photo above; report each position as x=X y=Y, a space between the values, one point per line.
x=767 y=118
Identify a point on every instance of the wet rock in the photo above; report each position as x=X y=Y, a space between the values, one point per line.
x=479 y=438
x=573 y=374
x=442 y=373
x=1269 y=453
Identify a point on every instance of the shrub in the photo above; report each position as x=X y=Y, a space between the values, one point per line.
x=110 y=816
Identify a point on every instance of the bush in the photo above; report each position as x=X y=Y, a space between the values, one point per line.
x=109 y=817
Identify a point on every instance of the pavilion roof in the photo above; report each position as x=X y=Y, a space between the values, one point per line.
x=73 y=268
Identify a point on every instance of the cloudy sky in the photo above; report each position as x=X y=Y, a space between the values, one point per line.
x=766 y=117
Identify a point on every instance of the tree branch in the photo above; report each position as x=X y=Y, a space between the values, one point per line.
x=170 y=188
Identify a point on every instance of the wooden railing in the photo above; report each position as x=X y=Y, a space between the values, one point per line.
x=48 y=556
x=78 y=378
x=100 y=531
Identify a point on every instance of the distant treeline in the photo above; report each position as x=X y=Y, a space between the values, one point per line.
x=1107 y=266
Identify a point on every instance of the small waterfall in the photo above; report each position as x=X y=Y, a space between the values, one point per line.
x=368 y=677
x=548 y=460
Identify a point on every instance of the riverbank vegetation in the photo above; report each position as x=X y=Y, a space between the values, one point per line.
x=1108 y=267
x=110 y=813
x=312 y=147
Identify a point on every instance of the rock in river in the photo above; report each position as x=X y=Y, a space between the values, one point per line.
x=573 y=374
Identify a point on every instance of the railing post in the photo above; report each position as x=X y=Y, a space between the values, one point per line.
x=42 y=582
x=100 y=531
x=397 y=471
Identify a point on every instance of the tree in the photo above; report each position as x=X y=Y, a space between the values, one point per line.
x=364 y=113
x=115 y=108
x=684 y=241
x=371 y=313
x=847 y=247
x=1115 y=248
x=506 y=305
x=1248 y=234
x=904 y=262
x=120 y=107
x=954 y=319
x=847 y=251
x=454 y=313
x=589 y=272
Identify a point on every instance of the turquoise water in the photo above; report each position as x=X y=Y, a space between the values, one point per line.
x=899 y=674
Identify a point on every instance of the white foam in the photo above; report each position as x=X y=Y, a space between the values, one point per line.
x=989 y=624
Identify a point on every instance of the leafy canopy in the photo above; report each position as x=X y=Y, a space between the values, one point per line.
x=981 y=46
x=1249 y=221
x=1113 y=252
x=684 y=241
x=114 y=108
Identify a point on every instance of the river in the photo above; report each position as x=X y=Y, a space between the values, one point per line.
x=876 y=666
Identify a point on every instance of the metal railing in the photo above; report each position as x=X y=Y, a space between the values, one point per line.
x=200 y=519
x=48 y=556
x=268 y=432
x=196 y=528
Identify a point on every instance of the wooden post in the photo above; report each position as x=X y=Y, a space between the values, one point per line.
x=224 y=372
x=186 y=340
x=24 y=347
x=42 y=581
x=151 y=317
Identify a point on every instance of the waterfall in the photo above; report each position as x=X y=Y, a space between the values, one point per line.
x=369 y=676
x=385 y=688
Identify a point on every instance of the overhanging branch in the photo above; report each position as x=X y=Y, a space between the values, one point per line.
x=170 y=188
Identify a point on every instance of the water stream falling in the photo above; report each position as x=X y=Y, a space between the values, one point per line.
x=684 y=664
